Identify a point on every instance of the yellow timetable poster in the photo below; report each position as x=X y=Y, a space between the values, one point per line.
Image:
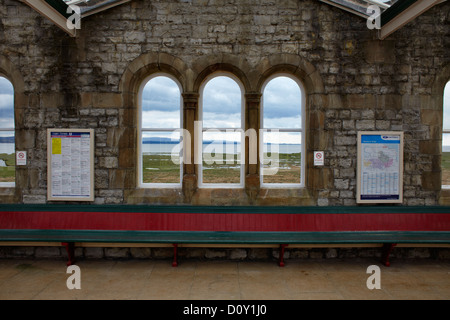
x=70 y=164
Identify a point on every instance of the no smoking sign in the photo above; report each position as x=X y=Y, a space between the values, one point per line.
x=318 y=158
x=21 y=158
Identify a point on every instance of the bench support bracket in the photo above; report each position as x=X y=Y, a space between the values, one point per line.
x=70 y=248
x=175 y=260
x=281 y=258
x=387 y=249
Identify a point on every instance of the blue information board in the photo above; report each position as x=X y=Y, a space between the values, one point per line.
x=380 y=167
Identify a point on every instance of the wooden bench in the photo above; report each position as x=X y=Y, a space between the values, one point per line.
x=191 y=226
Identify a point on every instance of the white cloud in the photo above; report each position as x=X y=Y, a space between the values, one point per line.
x=221 y=120
x=221 y=104
x=6 y=101
x=162 y=94
x=6 y=86
x=282 y=100
x=161 y=119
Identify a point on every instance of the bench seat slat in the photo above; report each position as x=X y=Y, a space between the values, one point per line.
x=224 y=237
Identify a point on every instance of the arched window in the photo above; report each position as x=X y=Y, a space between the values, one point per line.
x=445 y=163
x=282 y=140
x=221 y=138
x=7 y=141
x=160 y=134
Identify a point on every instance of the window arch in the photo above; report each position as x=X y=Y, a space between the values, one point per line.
x=282 y=140
x=445 y=162
x=7 y=134
x=220 y=132
x=160 y=132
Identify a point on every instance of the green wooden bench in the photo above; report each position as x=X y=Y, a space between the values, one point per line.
x=177 y=226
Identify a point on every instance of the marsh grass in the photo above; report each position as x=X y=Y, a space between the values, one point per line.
x=162 y=169
x=8 y=173
x=445 y=165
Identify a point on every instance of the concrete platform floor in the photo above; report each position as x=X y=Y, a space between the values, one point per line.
x=334 y=279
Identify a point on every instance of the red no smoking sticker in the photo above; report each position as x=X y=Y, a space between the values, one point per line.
x=318 y=158
x=21 y=158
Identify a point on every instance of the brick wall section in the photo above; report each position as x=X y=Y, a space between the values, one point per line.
x=353 y=81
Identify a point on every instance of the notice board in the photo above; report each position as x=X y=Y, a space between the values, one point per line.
x=380 y=167
x=70 y=164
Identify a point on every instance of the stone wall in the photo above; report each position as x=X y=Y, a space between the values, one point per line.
x=233 y=254
x=352 y=80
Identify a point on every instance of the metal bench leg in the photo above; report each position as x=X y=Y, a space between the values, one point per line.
x=70 y=248
x=281 y=258
x=387 y=249
x=175 y=262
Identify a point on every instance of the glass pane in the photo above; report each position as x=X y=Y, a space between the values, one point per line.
x=281 y=161
x=161 y=102
x=6 y=104
x=161 y=157
x=282 y=104
x=446 y=122
x=445 y=162
x=222 y=100
x=446 y=159
x=362 y=5
x=221 y=157
x=7 y=157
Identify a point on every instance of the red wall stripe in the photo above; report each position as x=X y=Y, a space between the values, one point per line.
x=225 y=221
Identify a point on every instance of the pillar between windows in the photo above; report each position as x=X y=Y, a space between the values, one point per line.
x=252 y=125
x=190 y=115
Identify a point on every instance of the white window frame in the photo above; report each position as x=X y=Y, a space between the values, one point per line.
x=300 y=130
x=10 y=184
x=200 y=130
x=141 y=130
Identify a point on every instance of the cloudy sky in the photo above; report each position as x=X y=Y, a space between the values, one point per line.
x=6 y=104
x=446 y=137
x=221 y=104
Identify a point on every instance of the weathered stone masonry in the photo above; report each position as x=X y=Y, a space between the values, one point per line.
x=352 y=80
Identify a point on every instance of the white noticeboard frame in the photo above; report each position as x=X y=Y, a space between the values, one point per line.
x=380 y=167
x=70 y=164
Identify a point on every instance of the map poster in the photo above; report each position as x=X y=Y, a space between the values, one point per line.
x=380 y=167
x=70 y=169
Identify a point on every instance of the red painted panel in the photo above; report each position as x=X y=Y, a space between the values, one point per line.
x=225 y=221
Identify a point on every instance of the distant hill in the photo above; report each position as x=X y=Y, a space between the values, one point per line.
x=6 y=139
x=159 y=140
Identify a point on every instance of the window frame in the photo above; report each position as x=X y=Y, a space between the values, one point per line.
x=141 y=130
x=301 y=130
x=13 y=129
x=201 y=129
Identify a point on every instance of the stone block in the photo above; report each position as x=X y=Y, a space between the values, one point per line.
x=365 y=125
x=431 y=181
x=108 y=162
x=140 y=253
x=117 y=253
x=47 y=252
x=238 y=254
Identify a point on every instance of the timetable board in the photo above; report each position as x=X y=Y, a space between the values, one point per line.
x=380 y=167
x=70 y=161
